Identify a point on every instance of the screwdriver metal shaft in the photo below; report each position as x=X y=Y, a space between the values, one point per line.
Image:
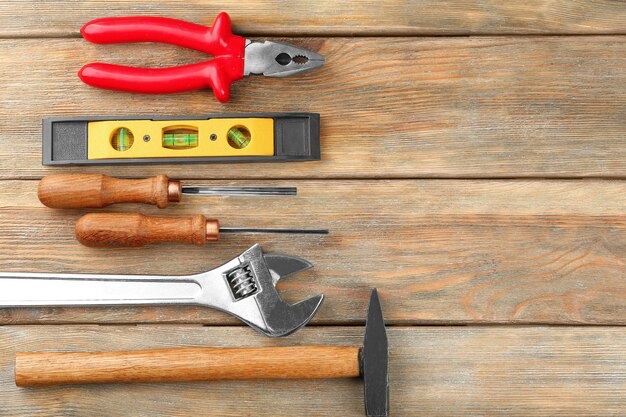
x=258 y=191
x=280 y=231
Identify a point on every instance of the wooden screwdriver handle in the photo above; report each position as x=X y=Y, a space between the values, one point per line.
x=134 y=229
x=97 y=190
x=186 y=364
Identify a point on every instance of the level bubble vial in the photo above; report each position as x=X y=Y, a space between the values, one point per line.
x=122 y=139
x=180 y=137
x=239 y=137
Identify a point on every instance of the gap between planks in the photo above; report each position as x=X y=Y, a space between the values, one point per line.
x=326 y=18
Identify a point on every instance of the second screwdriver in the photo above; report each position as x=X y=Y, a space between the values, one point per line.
x=134 y=229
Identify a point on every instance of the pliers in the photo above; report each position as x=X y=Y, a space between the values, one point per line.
x=234 y=56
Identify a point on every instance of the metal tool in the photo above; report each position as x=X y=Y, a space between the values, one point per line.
x=243 y=287
x=200 y=364
x=96 y=191
x=235 y=56
x=134 y=229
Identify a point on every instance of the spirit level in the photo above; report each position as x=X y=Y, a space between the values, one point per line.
x=278 y=137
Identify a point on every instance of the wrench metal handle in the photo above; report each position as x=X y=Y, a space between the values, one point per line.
x=242 y=287
x=41 y=290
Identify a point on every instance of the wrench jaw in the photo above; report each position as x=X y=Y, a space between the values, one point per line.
x=283 y=318
x=283 y=266
x=245 y=288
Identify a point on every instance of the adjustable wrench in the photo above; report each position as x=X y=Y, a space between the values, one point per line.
x=243 y=287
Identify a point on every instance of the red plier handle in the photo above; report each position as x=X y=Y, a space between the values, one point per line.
x=218 y=40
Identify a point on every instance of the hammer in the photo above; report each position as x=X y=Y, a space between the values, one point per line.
x=369 y=361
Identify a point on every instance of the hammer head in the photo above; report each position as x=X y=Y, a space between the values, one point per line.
x=375 y=361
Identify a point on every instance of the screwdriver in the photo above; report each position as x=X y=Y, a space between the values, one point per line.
x=116 y=230
x=97 y=190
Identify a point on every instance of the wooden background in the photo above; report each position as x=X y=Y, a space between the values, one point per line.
x=473 y=166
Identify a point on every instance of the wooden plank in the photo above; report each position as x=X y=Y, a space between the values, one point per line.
x=273 y=17
x=439 y=251
x=461 y=107
x=458 y=371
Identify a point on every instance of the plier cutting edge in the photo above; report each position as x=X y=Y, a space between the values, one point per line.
x=234 y=56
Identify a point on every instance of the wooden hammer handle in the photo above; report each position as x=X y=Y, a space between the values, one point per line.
x=97 y=190
x=134 y=229
x=186 y=364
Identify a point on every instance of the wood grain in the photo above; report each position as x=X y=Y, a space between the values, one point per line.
x=186 y=364
x=460 y=107
x=395 y=107
x=97 y=191
x=323 y=18
x=443 y=251
x=434 y=371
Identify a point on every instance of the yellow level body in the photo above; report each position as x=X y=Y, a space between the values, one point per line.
x=154 y=138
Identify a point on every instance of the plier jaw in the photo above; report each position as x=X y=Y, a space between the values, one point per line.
x=234 y=56
x=276 y=59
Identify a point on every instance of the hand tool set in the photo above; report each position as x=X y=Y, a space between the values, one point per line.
x=243 y=287
x=369 y=361
x=256 y=137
